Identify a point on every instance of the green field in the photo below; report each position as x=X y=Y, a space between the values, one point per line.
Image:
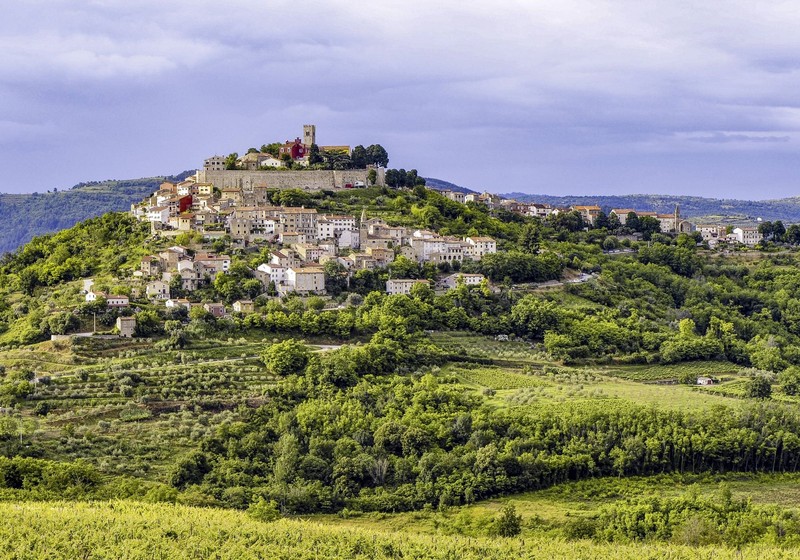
x=528 y=385
x=115 y=530
x=672 y=371
x=488 y=348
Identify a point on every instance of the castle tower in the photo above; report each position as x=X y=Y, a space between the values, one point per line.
x=309 y=134
x=677 y=219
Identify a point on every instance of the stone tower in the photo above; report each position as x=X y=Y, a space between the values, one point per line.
x=309 y=134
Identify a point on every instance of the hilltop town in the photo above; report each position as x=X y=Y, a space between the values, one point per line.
x=257 y=201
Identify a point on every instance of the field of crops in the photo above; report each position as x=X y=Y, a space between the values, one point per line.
x=128 y=408
x=117 y=530
x=496 y=378
x=671 y=371
x=486 y=347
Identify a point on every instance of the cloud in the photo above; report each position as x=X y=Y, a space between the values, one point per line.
x=449 y=85
x=721 y=138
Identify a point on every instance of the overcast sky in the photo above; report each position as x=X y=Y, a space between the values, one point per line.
x=553 y=97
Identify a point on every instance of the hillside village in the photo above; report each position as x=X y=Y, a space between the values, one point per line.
x=233 y=198
x=712 y=234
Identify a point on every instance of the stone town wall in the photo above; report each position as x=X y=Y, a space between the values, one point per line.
x=315 y=180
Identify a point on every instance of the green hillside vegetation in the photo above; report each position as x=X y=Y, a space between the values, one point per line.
x=431 y=409
x=25 y=216
x=128 y=530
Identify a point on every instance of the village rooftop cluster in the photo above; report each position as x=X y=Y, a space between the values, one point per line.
x=712 y=234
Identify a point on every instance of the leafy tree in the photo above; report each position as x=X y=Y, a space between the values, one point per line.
x=372 y=177
x=293 y=197
x=792 y=235
x=649 y=225
x=530 y=238
x=285 y=358
x=377 y=155
x=273 y=149
x=335 y=277
x=403 y=267
x=509 y=523
x=778 y=231
x=198 y=314
x=789 y=380
x=569 y=221
x=758 y=388
x=61 y=323
x=147 y=323
x=314 y=156
x=360 y=157
x=190 y=470
x=336 y=160
x=264 y=510
x=611 y=243
x=532 y=316
x=176 y=286
x=230 y=161
x=601 y=221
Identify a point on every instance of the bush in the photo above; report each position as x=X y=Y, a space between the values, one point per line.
x=580 y=528
x=264 y=510
x=758 y=388
x=508 y=523
x=41 y=408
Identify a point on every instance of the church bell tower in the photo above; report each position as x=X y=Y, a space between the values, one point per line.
x=309 y=134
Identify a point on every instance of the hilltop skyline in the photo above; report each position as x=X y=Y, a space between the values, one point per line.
x=575 y=98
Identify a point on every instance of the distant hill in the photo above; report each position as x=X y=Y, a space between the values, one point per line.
x=24 y=216
x=440 y=185
x=710 y=209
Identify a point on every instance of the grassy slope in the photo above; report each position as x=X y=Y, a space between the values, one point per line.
x=132 y=531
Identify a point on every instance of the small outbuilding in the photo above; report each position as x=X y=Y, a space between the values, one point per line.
x=126 y=326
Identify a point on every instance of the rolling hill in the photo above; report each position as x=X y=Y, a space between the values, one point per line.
x=24 y=216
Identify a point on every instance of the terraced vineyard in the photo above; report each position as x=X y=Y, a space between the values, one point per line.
x=487 y=348
x=214 y=379
x=672 y=371
x=128 y=408
x=496 y=378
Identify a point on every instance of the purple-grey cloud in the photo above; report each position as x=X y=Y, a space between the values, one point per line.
x=574 y=96
x=720 y=138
